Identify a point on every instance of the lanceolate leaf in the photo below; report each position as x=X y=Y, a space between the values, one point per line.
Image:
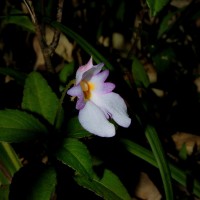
x=4 y=179
x=9 y=159
x=139 y=74
x=18 y=126
x=10 y=164
x=156 y=5
x=75 y=154
x=176 y=173
x=158 y=152
x=4 y=191
x=108 y=187
x=39 y=98
x=121 y=11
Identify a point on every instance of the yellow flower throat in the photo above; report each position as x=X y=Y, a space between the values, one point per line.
x=86 y=87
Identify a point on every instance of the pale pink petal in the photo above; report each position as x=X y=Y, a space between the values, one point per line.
x=82 y=69
x=114 y=105
x=92 y=72
x=75 y=91
x=87 y=71
x=100 y=86
x=94 y=121
x=108 y=87
x=101 y=77
x=103 y=88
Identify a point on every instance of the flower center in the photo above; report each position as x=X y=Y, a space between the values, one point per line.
x=87 y=87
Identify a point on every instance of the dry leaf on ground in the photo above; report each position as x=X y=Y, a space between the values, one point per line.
x=64 y=48
x=180 y=3
x=188 y=139
x=146 y=190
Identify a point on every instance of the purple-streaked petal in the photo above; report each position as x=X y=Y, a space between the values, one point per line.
x=115 y=106
x=80 y=103
x=75 y=91
x=94 y=121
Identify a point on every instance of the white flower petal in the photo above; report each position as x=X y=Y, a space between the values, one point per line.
x=94 y=121
x=114 y=105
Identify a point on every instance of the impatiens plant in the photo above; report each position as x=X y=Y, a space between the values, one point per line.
x=96 y=101
x=65 y=138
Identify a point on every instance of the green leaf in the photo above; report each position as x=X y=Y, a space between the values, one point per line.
x=9 y=159
x=165 y=24
x=139 y=74
x=75 y=130
x=145 y=154
x=76 y=155
x=183 y=152
x=67 y=71
x=156 y=5
x=99 y=58
x=4 y=192
x=181 y=177
x=161 y=160
x=49 y=8
x=4 y=179
x=39 y=98
x=44 y=186
x=34 y=181
x=108 y=187
x=163 y=60
x=19 y=18
x=18 y=126
x=10 y=164
x=121 y=11
x=139 y=151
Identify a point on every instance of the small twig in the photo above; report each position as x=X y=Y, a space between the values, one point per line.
x=56 y=36
x=47 y=50
x=42 y=42
x=137 y=34
x=30 y=12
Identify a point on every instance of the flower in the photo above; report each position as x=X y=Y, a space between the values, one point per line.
x=96 y=101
